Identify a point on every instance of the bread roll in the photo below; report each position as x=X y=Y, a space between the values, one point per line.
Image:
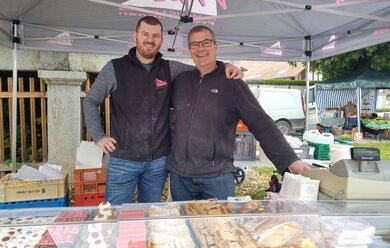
x=281 y=235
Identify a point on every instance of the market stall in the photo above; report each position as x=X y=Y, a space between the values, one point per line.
x=345 y=99
x=277 y=223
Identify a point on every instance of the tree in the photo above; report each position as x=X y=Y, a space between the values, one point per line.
x=374 y=57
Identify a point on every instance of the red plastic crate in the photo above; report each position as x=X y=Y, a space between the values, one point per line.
x=89 y=200
x=94 y=187
x=88 y=175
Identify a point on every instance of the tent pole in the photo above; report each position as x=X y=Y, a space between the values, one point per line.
x=15 y=41
x=358 y=107
x=308 y=54
x=307 y=93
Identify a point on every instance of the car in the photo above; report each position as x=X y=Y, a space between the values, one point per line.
x=284 y=106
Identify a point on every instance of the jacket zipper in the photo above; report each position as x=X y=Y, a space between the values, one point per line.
x=190 y=120
x=150 y=117
x=213 y=158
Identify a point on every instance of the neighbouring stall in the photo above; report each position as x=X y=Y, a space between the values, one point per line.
x=347 y=103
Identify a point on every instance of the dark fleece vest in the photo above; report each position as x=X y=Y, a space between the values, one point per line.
x=140 y=108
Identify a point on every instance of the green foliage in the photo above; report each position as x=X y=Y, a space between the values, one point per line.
x=374 y=57
x=380 y=110
x=279 y=82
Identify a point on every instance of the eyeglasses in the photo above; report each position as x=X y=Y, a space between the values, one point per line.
x=205 y=43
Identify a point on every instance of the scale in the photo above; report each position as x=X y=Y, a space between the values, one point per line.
x=364 y=176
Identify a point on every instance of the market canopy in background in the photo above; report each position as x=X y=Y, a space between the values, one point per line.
x=271 y=30
x=340 y=90
x=369 y=79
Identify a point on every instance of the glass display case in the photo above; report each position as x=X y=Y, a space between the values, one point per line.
x=201 y=224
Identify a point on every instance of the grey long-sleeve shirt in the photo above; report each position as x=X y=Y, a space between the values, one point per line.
x=103 y=86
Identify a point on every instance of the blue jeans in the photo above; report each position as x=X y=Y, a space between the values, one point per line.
x=187 y=189
x=124 y=176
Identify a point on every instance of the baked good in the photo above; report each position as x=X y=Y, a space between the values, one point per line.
x=105 y=212
x=305 y=242
x=5 y=220
x=170 y=233
x=280 y=235
x=72 y=216
x=171 y=209
x=222 y=232
x=98 y=243
x=104 y=205
x=252 y=207
x=206 y=207
x=23 y=220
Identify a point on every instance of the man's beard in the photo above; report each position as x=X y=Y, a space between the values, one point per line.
x=148 y=53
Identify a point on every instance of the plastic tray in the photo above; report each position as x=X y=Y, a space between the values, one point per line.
x=43 y=203
x=322 y=151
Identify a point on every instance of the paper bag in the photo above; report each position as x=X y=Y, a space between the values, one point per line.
x=298 y=187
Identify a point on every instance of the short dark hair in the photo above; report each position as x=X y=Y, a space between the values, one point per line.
x=151 y=20
x=198 y=29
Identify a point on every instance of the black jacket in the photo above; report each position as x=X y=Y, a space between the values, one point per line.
x=207 y=111
x=140 y=108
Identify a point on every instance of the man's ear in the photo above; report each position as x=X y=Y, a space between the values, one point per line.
x=134 y=36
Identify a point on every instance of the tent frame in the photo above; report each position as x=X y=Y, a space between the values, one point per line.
x=286 y=8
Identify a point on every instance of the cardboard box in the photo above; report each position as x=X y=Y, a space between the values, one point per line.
x=88 y=156
x=33 y=189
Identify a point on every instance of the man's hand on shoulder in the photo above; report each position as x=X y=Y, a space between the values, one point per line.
x=298 y=167
x=107 y=144
x=233 y=72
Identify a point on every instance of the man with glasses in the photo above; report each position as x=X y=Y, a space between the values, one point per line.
x=140 y=87
x=207 y=109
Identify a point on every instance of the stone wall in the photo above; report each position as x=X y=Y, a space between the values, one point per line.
x=46 y=60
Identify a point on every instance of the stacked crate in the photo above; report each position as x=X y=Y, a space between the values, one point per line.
x=245 y=145
x=33 y=193
x=89 y=186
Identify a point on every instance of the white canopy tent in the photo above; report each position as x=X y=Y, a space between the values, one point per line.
x=289 y=30
x=245 y=29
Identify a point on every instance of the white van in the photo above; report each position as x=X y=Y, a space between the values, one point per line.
x=312 y=114
x=285 y=106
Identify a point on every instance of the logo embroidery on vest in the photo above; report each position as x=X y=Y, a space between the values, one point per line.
x=160 y=83
x=215 y=91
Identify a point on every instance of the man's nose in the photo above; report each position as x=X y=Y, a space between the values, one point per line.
x=201 y=46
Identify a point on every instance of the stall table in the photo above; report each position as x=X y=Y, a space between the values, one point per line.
x=379 y=127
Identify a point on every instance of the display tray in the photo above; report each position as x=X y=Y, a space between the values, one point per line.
x=212 y=207
x=214 y=224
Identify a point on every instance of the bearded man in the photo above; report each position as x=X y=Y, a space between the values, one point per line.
x=140 y=87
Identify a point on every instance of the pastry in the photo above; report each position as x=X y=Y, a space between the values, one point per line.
x=23 y=220
x=172 y=209
x=104 y=205
x=206 y=207
x=5 y=220
x=98 y=244
x=105 y=212
x=92 y=237
x=280 y=235
x=252 y=207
